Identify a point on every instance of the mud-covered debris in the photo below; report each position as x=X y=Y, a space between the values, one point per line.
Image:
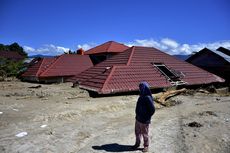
x=222 y=91
x=208 y=113
x=190 y=92
x=194 y=124
x=172 y=102
x=211 y=89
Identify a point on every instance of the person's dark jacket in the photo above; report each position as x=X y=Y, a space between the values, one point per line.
x=145 y=104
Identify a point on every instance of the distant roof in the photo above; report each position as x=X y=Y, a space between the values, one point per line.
x=108 y=47
x=124 y=72
x=64 y=65
x=224 y=50
x=223 y=55
x=219 y=53
x=11 y=55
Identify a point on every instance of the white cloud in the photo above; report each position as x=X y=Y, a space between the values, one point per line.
x=47 y=49
x=172 y=47
x=167 y=45
x=86 y=46
x=28 y=49
x=143 y=42
x=169 y=42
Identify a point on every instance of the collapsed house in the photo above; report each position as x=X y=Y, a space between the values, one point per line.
x=56 y=69
x=105 y=51
x=123 y=72
x=214 y=61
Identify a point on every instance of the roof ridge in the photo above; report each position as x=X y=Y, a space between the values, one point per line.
x=97 y=46
x=115 y=43
x=38 y=72
x=55 y=61
x=108 y=78
x=109 y=45
x=131 y=55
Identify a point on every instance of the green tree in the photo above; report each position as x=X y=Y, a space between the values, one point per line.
x=3 y=48
x=15 y=47
x=11 y=68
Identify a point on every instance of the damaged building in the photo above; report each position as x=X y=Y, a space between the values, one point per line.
x=105 y=51
x=123 y=72
x=56 y=69
x=214 y=61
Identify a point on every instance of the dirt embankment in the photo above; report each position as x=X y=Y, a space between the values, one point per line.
x=58 y=118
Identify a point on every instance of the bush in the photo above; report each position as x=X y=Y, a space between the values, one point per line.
x=11 y=68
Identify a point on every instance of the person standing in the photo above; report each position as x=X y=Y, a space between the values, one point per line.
x=144 y=111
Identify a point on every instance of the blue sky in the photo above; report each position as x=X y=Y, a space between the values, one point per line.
x=175 y=26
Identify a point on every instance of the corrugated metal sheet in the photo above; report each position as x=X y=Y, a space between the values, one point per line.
x=124 y=71
x=108 y=47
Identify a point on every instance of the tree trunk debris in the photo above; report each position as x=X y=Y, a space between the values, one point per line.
x=162 y=97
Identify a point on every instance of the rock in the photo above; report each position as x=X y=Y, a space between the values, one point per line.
x=194 y=124
x=35 y=87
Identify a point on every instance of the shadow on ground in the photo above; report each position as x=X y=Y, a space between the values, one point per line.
x=114 y=147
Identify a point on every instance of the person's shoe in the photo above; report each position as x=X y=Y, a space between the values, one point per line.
x=146 y=149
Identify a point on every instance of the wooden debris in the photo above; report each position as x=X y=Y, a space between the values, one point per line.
x=162 y=97
x=203 y=91
x=25 y=97
x=71 y=97
x=75 y=97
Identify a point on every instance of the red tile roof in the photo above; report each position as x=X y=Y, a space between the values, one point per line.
x=68 y=65
x=37 y=66
x=108 y=47
x=64 y=65
x=125 y=71
x=11 y=55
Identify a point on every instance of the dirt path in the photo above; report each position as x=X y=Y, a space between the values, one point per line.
x=74 y=122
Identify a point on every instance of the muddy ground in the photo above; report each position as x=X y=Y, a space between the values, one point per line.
x=61 y=119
